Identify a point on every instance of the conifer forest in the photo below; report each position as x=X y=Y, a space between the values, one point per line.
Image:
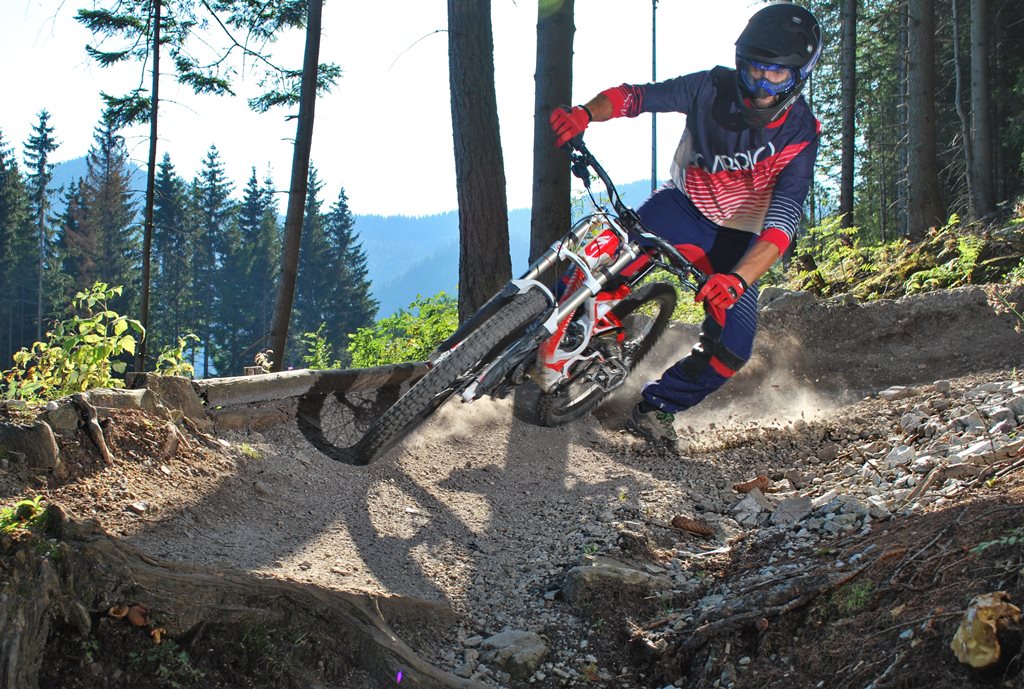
x=921 y=105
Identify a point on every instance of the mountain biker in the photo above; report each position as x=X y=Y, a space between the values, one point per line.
x=740 y=175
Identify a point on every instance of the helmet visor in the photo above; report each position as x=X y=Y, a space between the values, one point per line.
x=762 y=79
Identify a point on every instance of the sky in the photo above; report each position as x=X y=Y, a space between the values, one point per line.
x=384 y=132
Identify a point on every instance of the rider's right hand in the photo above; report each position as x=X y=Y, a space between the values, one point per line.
x=568 y=123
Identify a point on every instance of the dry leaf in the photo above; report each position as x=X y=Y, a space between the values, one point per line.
x=976 y=642
x=893 y=551
x=698 y=527
x=137 y=615
x=760 y=482
x=118 y=611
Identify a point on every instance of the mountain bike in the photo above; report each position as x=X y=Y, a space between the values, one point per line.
x=578 y=340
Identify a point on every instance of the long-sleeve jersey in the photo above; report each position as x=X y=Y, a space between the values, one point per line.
x=745 y=178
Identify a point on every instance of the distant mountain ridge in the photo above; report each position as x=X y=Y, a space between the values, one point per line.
x=405 y=256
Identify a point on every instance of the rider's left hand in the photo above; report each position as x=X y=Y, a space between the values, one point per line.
x=720 y=292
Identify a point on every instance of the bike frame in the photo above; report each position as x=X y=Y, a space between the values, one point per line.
x=634 y=242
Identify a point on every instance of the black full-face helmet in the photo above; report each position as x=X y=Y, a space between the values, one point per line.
x=775 y=55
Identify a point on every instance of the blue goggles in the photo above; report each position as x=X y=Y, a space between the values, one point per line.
x=763 y=85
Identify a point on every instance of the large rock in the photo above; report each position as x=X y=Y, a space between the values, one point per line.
x=175 y=392
x=791 y=510
x=32 y=444
x=598 y=575
x=519 y=652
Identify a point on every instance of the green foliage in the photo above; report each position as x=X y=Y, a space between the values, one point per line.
x=852 y=598
x=80 y=352
x=24 y=515
x=409 y=335
x=318 y=350
x=954 y=272
x=1016 y=276
x=1013 y=537
x=168 y=663
x=832 y=260
x=171 y=361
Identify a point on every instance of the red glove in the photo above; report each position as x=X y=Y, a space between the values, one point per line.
x=720 y=292
x=568 y=122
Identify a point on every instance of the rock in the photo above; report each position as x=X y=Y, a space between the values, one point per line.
x=586 y=583
x=747 y=510
x=32 y=444
x=63 y=417
x=139 y=507
x=972 y=423
x=899 y=456
x=1016 y=405
x=897 y=392
x=922 y=465
x=877 y=507
x=998 y=412
x=824 y=499
x=828 y=452
x=791 y=510
x=796 y=478
x=912 y=421
x=174 y=392
x=519 y=652
x=778 y=299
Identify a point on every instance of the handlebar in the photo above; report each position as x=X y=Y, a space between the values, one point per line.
x=660 y=251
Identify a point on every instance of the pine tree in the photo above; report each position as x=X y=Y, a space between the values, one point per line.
x=354 y=306
x=313 y=285
x=260 y=249
x=213 y=209
x=17 y=259
x=110 y=215
x=173 y=230
x=76 y=246
x=39 y=175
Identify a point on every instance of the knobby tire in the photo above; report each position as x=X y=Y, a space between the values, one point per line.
x=441 y=382
x=568 y=404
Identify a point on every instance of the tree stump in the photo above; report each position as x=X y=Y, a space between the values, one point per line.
x=73 y=576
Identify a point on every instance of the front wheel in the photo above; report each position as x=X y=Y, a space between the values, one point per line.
x=644 y=314
x=448 y=374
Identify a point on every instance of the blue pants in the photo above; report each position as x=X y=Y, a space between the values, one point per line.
x=723 y=347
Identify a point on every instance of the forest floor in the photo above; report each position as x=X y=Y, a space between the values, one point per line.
x=607 y=563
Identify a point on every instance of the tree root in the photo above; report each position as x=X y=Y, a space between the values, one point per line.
x=88 y=572
x=91 y=422
x=757 y=609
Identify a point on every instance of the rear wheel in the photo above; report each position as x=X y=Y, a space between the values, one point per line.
x=644 y=314
x=449 y=374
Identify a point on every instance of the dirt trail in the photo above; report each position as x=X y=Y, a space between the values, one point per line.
x=485 y=513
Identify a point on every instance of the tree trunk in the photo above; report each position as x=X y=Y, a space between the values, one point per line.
x=924 y=209
x=965 y=124
x=849 y=108
x=982 y=190
x=902 y=164
x=551 y=214
x=147 y=234
x=484 y=262
x=88 y=572
x=299 y=183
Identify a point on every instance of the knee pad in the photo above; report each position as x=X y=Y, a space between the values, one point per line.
x=708 y=352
